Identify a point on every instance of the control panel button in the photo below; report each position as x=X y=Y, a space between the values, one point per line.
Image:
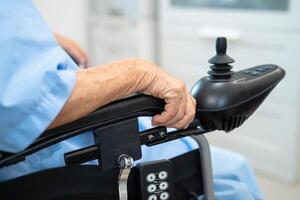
x=266 y=67
x=247 y=72
x=163 y=175
x=152 y=197
x=151 y=177
x=151 y=188
x=255 y=73
x=164 y=196
x=163 y=185
x=260 y=70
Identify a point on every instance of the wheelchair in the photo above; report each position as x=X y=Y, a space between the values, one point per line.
x=225 y=100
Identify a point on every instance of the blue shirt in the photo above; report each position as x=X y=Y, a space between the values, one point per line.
x=36 y=79
x=36 y=75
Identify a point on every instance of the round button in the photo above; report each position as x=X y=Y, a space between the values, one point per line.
x=254 y=73
x=162 y=175
x=247 y=71
x=152 y=197
x=151 y=177
x=163 y=185
x=266 y=67
x=164 y=196
x=151 y=188
x=260 y=70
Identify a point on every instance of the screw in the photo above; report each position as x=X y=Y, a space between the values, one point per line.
x=162 y=134
x=150 y=138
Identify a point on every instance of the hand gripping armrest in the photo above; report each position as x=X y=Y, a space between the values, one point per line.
x=130 y=107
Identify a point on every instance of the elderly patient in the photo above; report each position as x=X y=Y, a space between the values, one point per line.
x=42 y=88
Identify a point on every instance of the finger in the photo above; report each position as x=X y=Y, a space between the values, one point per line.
x=191 y=110
x=184 y=122
x=87 y=62
x=79 y=56
x=188 y=116
x=169 y=112
x=180 y=112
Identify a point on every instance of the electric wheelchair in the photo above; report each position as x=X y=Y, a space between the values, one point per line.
x=225 y=100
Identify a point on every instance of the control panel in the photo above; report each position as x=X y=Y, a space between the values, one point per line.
x=156 y=180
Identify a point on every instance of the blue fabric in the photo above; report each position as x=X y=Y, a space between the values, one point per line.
x=36 y=75
x=36 y=79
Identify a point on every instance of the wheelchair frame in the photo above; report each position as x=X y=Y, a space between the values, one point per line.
x=121 y=136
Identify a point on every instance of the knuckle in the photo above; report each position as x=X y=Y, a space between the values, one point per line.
x=183 y=126
x=177 y=90
x=179 y=116
x=194 y=101
x=168 y=116
x=192 y=108
x=192 y=114
x=180 y=86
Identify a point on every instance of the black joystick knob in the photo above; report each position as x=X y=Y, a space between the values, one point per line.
x=221 y=68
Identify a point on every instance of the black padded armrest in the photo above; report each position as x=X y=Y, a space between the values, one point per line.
x=127 y=108
x=130 y=107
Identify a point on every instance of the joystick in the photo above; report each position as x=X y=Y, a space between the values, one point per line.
x=221 y=68
x=226 y=99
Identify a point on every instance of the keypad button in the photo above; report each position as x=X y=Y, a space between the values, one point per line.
x=151 y=188
x=162 y=175
x=164 y=196
x=152 y=197
x=151 y=177
x=163 y=185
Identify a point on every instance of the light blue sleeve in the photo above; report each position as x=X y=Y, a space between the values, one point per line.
x=36 y=75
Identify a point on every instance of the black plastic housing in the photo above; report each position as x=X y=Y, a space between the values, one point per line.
x=225 y=104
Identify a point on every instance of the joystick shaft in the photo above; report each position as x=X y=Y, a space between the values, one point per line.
x=221 y=68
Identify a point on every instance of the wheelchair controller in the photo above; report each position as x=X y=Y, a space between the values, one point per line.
x=225 y=100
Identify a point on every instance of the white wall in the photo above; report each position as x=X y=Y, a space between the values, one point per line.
x=270 y=138
x=67 y=17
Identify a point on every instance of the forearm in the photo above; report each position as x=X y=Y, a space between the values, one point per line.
x=101 y=85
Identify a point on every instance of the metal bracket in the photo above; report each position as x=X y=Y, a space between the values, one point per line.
x=117 y=139
x=126 y=163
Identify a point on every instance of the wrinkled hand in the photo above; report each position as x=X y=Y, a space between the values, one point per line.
x=73 y=49
x=180 y=107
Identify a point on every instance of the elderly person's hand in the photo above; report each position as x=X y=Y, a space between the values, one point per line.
x=73 y=49
x=100 y=85
x=180 y=105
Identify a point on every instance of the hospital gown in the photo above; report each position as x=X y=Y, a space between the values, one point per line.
x=36 y=79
